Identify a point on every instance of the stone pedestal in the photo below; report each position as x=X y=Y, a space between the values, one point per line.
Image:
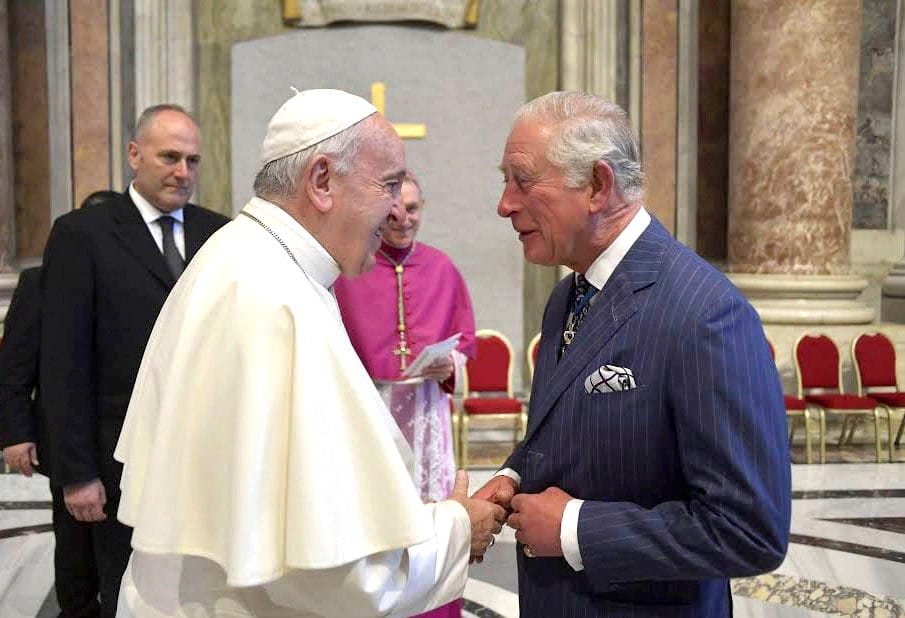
x=803 y=299
x=892 y=304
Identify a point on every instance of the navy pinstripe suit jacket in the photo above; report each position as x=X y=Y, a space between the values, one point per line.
x=686 y=477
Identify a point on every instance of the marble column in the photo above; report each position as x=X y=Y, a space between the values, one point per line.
x=90 y=87
x=59 y=110
x=793 y=106
x=892 y=307
x=7 y=190
x=659 y=105
x=591 y=52
x=590 y=55
x=164 y=53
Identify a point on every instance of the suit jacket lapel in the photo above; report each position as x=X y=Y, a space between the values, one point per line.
x=616 y=305
x=551 y=334
x=133 y=233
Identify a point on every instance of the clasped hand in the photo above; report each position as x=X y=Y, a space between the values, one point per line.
x=486 y=517
x=536 y=518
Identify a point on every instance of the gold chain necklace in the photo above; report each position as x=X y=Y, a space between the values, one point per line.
x=402 y=350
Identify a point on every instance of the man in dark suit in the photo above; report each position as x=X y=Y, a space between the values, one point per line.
x=21 y=427
x=655 y=464
x=107 y=272
x=23 y=436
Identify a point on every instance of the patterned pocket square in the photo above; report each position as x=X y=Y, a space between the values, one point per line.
x=609 y=379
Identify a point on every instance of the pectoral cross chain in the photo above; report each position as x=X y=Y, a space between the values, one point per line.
x=402 y=350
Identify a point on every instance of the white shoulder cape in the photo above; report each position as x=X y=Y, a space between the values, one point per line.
x=254 y=436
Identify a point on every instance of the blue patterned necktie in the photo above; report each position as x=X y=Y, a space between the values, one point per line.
x=581 y=302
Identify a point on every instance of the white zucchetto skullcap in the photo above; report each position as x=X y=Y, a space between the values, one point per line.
x=310 y=117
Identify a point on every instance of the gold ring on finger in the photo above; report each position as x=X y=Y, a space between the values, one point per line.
x=527 y=551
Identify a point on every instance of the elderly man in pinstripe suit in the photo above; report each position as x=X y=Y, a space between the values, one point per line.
x=655 y=464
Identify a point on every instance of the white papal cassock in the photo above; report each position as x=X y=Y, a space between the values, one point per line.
x=263 y=474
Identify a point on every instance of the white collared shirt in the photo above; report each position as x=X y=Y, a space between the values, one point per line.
x=151 y=214
x=598 y=273
x=602 y=268
x=316 y=261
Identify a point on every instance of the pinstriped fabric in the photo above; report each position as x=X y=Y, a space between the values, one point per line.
x=686 y=477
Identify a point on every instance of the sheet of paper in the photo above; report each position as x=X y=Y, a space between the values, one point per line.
x=431 y=354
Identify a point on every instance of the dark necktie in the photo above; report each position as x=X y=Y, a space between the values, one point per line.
x=581 y=302
x=170 y=252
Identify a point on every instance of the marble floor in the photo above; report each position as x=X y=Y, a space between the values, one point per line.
x=847 y=555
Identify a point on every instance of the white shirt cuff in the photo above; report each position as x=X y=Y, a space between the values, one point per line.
x=568 y=534
x=515 y=476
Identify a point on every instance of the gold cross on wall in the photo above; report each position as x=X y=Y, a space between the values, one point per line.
x=405 y=130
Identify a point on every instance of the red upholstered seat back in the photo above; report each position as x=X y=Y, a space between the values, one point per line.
x=876 y=358
x=488 y=371
x=818 y=362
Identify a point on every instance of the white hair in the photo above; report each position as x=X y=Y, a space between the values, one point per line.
x=586 y=129
x=279 y=178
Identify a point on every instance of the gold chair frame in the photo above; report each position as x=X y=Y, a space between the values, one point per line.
x=794 y=415
x=823 y=411
x=535 y=341
x=865 y=392
x=521 y=418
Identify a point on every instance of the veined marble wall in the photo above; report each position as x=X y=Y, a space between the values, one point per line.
x=90 y=102
x=659 y=101
x=875 y=87
x=713 y=129
x=28 y=58
x=7 y=195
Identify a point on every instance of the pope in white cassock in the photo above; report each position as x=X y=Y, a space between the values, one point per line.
x=263 y=474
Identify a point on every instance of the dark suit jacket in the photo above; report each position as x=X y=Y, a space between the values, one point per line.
x=21 y=419
x=104 y=282
x=686 y=477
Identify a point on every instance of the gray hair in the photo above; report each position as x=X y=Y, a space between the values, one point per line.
x=410 y=177
x=586 y=129
x=279 y=178
x=148 y=116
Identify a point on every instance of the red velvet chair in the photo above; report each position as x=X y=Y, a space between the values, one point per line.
x=874 y=357
x=796 y=408
x=487 y=389
x=820 y=383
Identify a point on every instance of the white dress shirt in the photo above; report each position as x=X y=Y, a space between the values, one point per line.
x=151 y=214
x=597 y=275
